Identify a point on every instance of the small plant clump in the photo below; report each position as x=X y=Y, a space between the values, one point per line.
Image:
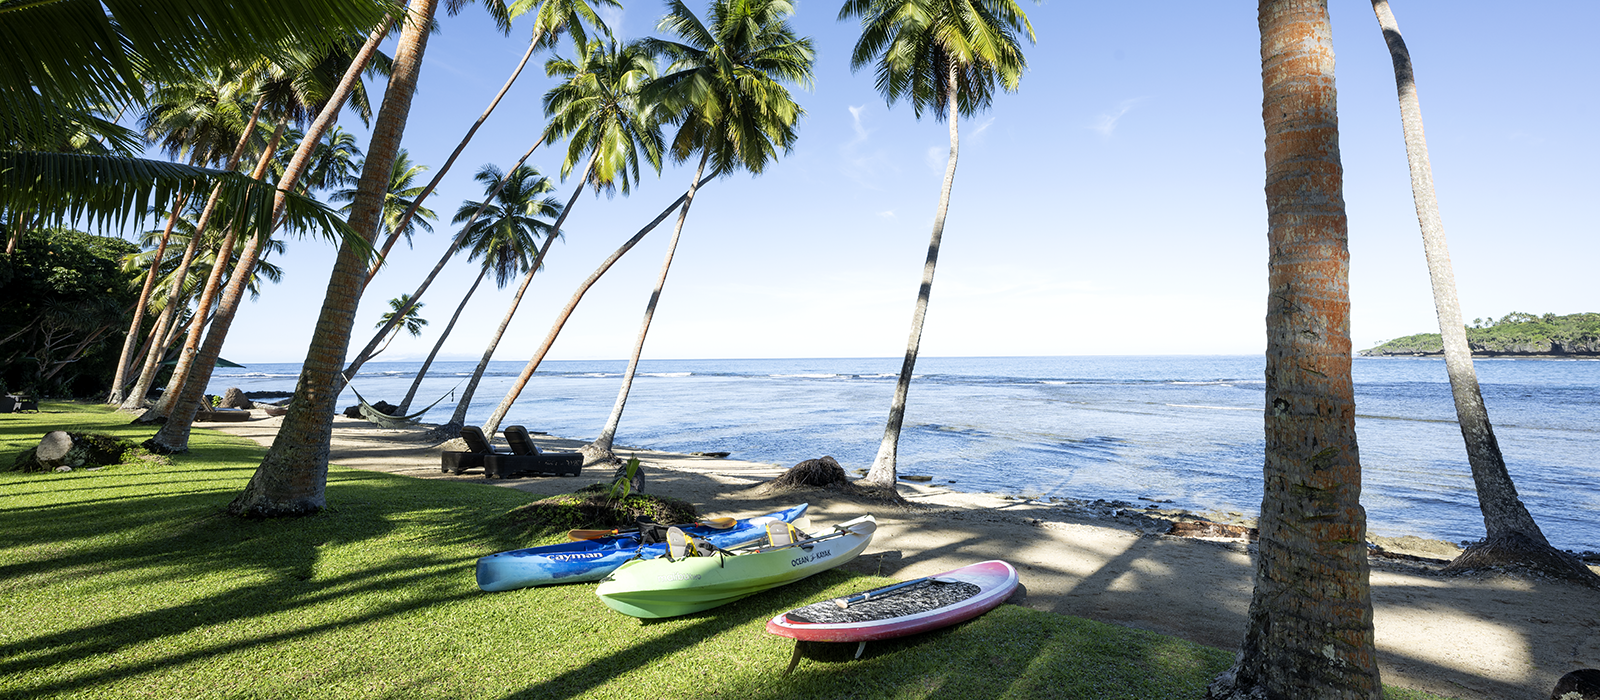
x=593 y=507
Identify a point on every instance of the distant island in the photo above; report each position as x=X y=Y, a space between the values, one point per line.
x=1514 y=335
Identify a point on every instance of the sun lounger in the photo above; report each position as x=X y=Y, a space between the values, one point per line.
x=478 y=448
x=526 y=459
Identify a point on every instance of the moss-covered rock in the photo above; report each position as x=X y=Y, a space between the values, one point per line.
x=593 y=508
x=88 y=450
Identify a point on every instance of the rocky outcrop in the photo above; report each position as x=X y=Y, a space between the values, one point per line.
x=61 y=451
x=235 y=398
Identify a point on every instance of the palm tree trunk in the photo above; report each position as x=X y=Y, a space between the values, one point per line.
x=883 y=473
x=405 y=219
x=1309 y=632
x=599 y=451
x=18 y=226
x=450 y=252
x=191 y=343
x=136 y=398
x=459 y=417
x=144 y=300
x=165 y=328
x=293 y=475
x=411 y=394
x=1512 y=536
x=493 y=424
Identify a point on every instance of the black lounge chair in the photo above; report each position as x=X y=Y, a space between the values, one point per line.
x=478 y=448
x=526 y=459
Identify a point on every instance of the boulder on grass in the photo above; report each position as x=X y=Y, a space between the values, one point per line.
x=61 y=451
x=235 y=398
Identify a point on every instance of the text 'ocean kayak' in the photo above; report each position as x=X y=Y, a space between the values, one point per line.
x=666 y=588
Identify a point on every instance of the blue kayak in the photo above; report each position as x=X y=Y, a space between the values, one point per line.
x=592 y=560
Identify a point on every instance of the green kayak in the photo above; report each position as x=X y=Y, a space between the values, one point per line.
x=663 y=587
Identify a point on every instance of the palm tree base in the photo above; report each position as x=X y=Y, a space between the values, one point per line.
x=251 y=507
x=596 y=455
x=1516 y=553
x=162 y=449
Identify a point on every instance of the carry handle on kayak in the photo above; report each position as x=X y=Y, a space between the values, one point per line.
x=580 y=535
x=844 y=603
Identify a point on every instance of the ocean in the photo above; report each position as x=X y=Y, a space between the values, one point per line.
x=1184 y=429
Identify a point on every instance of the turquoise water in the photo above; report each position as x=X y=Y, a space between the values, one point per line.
x=1186 y=429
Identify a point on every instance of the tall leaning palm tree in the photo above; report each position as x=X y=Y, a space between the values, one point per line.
x=946 y=56
x=407 y=317
x=1309 y=632
x=403 y=196
x=513 y=224
x=725 y=89
x=1512 y=537
x=506 y=253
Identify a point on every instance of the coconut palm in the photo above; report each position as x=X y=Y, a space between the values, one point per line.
x=68 y=60
x=180 y=411
x=551 y=19
x=408 y=317
x=335 y=162
x=946 y=56
x=506 y=238
x=725 y=89
x=1309 y=632
x=505 y=252
x=1512 y=536
x=401 y=197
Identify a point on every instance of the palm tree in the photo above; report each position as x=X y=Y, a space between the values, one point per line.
x=410 y=319
x=401 y=197
x=505 y=256
x=1512 y=536
x=68 y=60
x=936 y=54
x=493 y=424
x=335 y=163
x=508 y=239
x=725 y=90
x=552 y=18
x=1309 y=633
x=174 y=434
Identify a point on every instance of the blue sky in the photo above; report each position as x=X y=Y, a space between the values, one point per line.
x=1113 y=205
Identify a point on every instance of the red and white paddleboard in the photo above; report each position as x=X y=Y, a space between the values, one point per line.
x=906 y=608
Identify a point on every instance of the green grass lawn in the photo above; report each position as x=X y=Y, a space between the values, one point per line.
x=132 y=582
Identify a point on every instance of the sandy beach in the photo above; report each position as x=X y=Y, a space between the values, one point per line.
x=1496 y=637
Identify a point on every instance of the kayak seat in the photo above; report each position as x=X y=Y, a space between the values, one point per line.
x=678 y=545
x=780 y=534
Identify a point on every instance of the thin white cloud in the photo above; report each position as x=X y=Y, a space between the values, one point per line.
x=864 y=167
x=613 y=17
x=1106 y=123
x=937 y=158
x=889 y=214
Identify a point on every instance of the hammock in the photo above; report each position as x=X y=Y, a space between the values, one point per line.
x=376 y=416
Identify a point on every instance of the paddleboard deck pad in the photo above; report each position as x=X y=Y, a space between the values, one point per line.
x=940 y=601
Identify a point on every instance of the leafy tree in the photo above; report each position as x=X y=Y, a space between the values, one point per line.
x=1309 y=630
x=935 y=54
x=64 y=300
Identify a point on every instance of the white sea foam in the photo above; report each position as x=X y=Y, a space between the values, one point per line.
x=668 y=374
x=804 y=376
x=1214 y=408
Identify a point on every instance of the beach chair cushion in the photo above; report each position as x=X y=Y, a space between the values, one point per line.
x=476 y=442
x=519 y=440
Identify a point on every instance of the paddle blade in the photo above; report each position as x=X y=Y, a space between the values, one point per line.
x=580 y=535
x=718 y=523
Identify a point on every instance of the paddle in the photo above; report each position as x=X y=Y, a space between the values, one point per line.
x=580 y=535
x=844 y=603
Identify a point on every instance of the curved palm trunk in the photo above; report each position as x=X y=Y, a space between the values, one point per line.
x=600 y=449
x=411 y=394
x=449 y=252
x=1309 y=632
x=883 y=473
x=119 y=380
x=1512 y=536
x=493 y=424
x=405 y=219
x=459 y=417
x=165 y=328
x=191 y=343
x=293 y=475
x=136 y=398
